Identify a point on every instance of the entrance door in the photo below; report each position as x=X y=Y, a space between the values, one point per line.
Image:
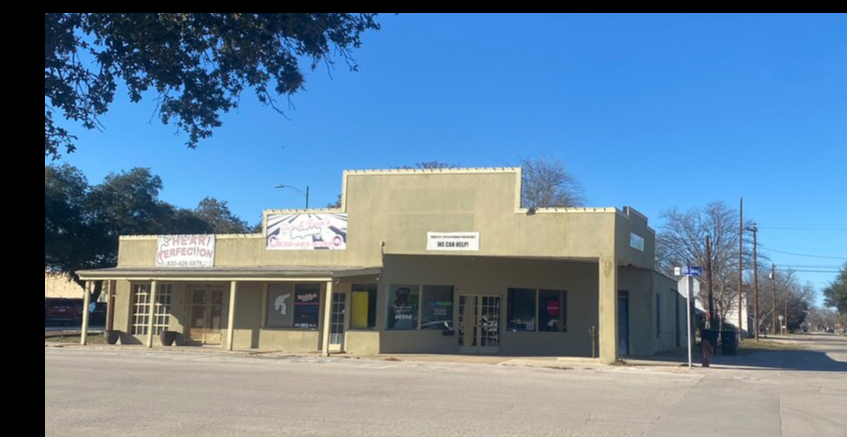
x=479 y=324
x=336 y=325
x=207 y=315
x=623 y=323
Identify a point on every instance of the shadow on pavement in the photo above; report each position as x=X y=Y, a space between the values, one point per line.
x=815 y=359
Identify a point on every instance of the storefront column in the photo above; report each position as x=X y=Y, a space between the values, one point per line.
x=152 y=314
x=230 y=328
x=86 y=301
x=608 y=317
x=327 y=327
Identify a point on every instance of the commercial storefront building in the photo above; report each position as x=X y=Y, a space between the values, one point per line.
x=417 y=261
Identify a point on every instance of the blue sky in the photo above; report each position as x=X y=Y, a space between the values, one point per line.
x=651 y=111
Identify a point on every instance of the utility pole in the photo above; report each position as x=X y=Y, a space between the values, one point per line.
x=773 y=297
x=711 y=323
x=755 y=230
x=740 y=265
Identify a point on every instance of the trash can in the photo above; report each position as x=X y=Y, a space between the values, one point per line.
x=712 y=336
x=729 y=342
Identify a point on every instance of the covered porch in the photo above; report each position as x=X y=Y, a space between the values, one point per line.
x=271 y=308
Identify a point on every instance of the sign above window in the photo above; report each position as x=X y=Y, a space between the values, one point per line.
x=306 y=232
x=185 y=251
x=452 y=241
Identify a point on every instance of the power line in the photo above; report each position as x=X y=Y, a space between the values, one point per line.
x=804 y=254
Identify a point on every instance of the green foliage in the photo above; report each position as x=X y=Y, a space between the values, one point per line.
x=216 y=214
x=197 y=63
x=835 y=295
x=82 y=223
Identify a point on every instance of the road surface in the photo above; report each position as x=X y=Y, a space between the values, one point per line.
x=134 y=392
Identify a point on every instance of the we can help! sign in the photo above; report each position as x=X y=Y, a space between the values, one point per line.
x=185 y=251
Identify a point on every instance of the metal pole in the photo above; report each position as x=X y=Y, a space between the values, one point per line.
x=755 y=283
x=307 y=197
x=740 y=265
x=688 y=307
x=773 y=296
x=709 y=282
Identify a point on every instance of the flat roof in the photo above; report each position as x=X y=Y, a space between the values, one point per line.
x=257 y=273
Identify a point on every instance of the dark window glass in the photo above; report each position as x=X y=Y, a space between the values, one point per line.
x=280 y=306
x=437 y=310
x=403 y=307
x=552 y=310
x=307 y=304
x=521 y=309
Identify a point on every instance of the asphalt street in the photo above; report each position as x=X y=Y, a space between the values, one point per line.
x=135 y=392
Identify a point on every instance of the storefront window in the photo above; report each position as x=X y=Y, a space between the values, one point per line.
x=437 y=310
x=280 y=306
x=552 y=310
x=521 y=309
x=307 y=303
x=403 y=307
x=363 y=302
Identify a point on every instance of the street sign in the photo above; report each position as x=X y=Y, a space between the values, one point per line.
x=688 y=271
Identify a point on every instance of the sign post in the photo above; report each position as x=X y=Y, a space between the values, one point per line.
x=688 y=283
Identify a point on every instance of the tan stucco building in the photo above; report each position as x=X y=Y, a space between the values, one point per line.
x=418 y=261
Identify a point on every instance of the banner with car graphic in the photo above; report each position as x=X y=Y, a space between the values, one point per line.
x=306 y=232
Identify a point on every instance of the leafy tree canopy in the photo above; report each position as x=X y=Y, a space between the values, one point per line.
x=82 y=222
x=835 y=295
x=197 y=63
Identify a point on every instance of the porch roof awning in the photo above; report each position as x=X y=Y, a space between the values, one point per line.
x=259 y=273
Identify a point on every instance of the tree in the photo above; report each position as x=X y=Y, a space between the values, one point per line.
x=835 y=295
x=681 y=240
x=217 y=215
x=547 y=184
x=197 y=63
x=82 y=223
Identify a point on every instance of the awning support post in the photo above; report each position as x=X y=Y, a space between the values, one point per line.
x=86 y=301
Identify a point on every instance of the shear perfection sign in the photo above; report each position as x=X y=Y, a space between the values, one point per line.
x=306 y=232
x=185 y=251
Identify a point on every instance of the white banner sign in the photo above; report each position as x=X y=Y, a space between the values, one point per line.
x=306 y=232
x=185 y=251
x=452 y=241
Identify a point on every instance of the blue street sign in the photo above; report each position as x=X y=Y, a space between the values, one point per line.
x=688 y=271
x=692 y=271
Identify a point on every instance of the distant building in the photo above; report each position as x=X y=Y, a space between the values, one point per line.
x=417 y=261
x=60 y=285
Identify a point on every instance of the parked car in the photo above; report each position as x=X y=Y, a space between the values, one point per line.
x=62 y=310
x=98 y=316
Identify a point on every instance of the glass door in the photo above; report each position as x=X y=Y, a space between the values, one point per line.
x=207 y=314
x=336 y=325
x=479 y=324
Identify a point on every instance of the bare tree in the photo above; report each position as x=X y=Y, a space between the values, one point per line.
x=428 y=165
x=681 y=240
x=547 y=184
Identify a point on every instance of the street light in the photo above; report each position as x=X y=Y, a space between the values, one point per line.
x=304 y=193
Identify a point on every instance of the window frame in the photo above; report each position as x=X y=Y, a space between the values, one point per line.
x=563 y=308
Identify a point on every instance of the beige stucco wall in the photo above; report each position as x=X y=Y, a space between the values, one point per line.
x=389 y=215
x=61 y=286
x=398 y=208
x=493 y=276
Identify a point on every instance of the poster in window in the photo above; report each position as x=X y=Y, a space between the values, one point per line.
x=307 y=304
x=403 y=308
x=280 y=306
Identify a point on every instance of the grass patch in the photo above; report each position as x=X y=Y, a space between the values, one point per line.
x=750 y=346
